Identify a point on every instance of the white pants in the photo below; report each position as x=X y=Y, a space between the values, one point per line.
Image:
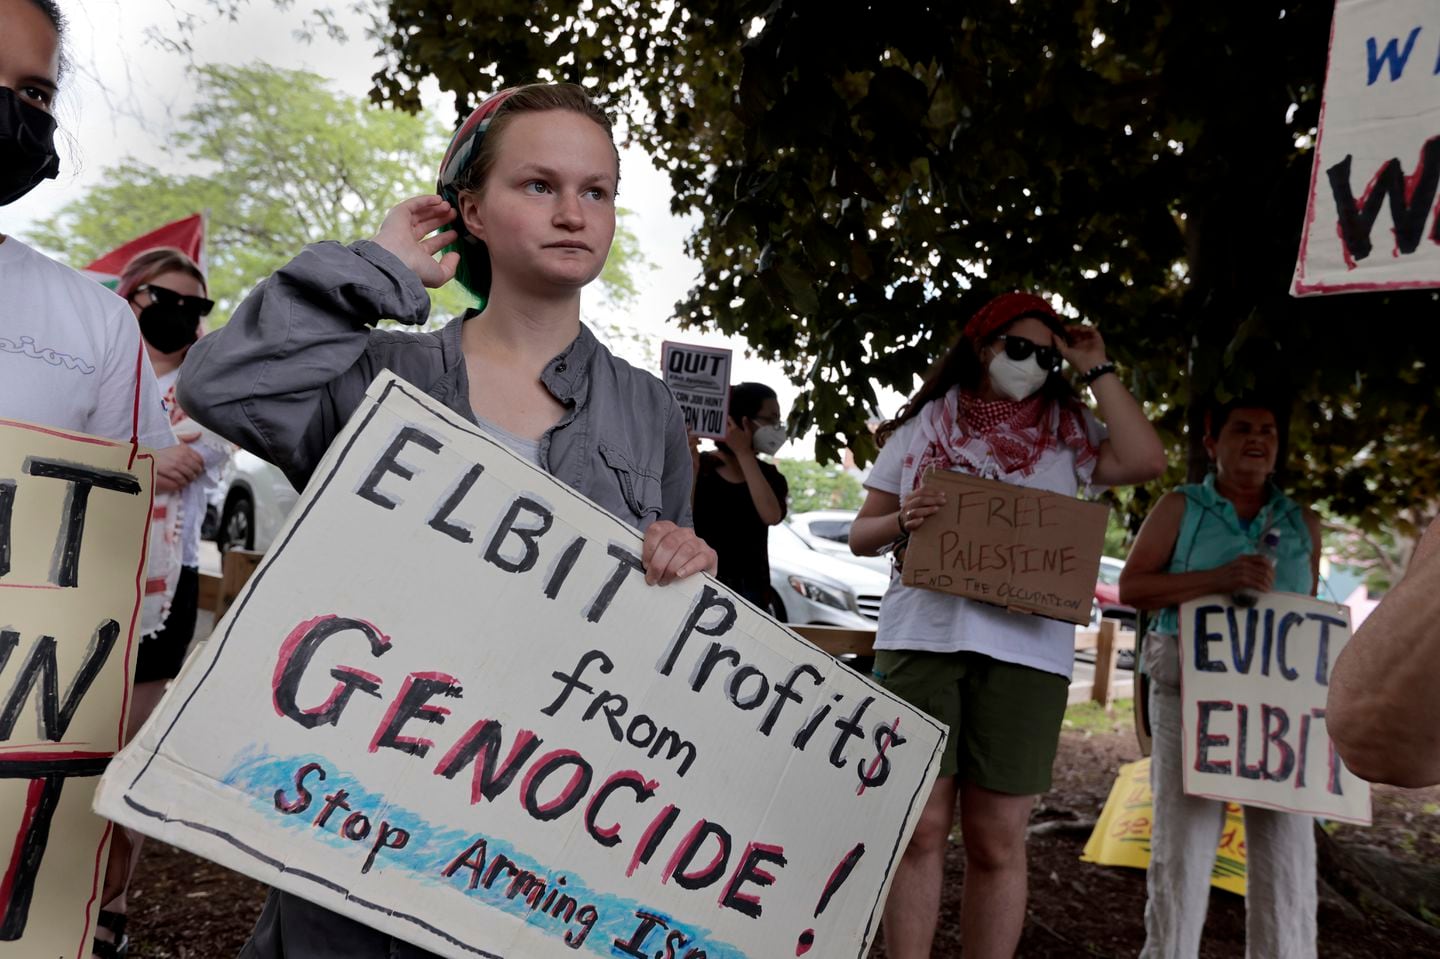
x=1280 y=896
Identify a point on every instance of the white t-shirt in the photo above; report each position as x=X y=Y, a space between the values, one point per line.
x=67 y=352
x=923 y=619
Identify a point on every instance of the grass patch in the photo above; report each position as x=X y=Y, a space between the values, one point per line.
x=1090 y=717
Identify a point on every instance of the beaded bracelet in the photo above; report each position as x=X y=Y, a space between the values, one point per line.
x=1095 y=372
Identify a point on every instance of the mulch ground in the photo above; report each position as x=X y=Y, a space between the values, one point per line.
x=186 y=908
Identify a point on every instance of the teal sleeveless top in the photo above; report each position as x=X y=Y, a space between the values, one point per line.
x=1212 y=534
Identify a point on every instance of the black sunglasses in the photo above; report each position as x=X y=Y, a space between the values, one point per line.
x=1019 y=348
x=178 y=301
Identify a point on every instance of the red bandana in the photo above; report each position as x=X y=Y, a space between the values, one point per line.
x=985 y=436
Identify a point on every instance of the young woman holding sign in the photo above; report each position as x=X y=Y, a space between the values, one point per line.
x=996 y=406
x=527 y=197
x=1201 y=539
x=166 y=291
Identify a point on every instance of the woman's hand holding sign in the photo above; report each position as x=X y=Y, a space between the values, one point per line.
x=926 y=501
x=672 y=552
x=883 y=519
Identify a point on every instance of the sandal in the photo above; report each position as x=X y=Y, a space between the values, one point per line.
x=113 y=923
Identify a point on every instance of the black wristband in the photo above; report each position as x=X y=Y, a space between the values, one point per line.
x=900 y=521
x=1095 y=372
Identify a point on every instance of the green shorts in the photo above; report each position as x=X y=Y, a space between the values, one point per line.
x=1004 y=719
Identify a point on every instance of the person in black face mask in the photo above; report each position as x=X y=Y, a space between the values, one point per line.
x=27 y=130
x=166 y=290
x=70 y=351
x=167 y=293
x=67 y=345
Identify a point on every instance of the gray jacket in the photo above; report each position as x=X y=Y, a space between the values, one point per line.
x=283 y=376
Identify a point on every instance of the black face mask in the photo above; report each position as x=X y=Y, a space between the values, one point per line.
x=169 y=328
x=27 y=147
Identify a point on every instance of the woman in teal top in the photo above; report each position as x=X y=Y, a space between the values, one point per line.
x=1201 y=539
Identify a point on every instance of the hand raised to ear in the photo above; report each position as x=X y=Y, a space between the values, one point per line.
x=1083 y=348
x=406 y=231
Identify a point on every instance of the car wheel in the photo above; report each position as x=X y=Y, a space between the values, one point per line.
x=237 y=523
x=774 y=607
x=210 y=525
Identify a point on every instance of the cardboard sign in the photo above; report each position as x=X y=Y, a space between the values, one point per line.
x=1025 y=549
x=1373 y=219
x=73 y=518
x=699 y=376
x=1122 y=833
x=448 y=706
x=1253 y=684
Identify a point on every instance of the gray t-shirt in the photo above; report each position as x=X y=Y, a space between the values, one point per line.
x=528 y=450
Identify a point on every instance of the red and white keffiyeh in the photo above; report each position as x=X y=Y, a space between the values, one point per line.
x=963 y=431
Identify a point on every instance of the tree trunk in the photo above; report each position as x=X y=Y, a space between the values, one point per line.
x=1381 y=886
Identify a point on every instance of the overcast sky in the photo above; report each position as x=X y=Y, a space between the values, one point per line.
x=126 y=91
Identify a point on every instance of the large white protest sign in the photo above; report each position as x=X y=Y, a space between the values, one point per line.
x=448 y=706
x=1253 y=685
x=699 y=376
x=74 y=510
x=1373 y=218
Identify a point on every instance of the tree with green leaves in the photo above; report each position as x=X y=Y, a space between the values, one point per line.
x=819 y=486
x=279 y=160
x=866 y=176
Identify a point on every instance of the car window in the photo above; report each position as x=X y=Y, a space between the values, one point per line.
x=1110 y=575
x=837 y=530
x=783 y=535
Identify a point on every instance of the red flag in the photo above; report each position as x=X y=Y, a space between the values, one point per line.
x=187 y=235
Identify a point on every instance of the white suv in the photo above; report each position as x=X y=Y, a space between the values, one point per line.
x=828 y=532
x=811 y=586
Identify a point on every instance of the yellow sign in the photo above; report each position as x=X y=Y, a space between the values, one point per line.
x=74 y=514
x=1122 y=834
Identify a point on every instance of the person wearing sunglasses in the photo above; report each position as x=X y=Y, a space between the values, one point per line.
x=996 y=406
x=166 y=291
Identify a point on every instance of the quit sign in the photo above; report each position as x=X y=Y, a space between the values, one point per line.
x=1028 y=550
x=699 y=376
